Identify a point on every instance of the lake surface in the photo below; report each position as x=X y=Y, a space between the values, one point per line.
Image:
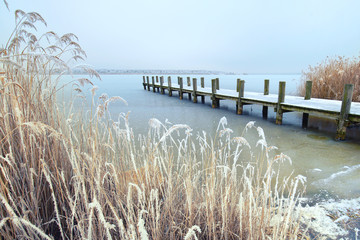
x=332 y=168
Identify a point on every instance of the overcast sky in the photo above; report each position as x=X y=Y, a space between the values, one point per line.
x=253 y=36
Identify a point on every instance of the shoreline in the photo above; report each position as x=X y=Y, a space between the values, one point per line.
x=164 y=72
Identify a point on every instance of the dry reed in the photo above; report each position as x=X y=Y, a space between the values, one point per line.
x=330 y=76
x=65 y=175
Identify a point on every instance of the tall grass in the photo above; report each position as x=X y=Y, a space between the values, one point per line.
x=73 y=175
x=330 y=76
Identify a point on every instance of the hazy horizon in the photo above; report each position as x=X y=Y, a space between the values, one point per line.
x=192 y=70
x=231 y=36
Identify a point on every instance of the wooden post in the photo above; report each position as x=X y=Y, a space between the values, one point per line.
x=148 y=83
x=181 y=87
x=162 y=85
x=240 y=85
x=169 y=86
x=343 y=121
x=215 y=101
x=153 y=83
x=266 y=92
x=157 y=81
x=217 y=84
x=202 y=85
x=189 y=84
x=179 y=80
x=305 y=120
x=194 y=90
x=144 y=82
x=281 y=99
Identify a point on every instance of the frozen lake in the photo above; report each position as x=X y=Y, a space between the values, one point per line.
x=332 y=168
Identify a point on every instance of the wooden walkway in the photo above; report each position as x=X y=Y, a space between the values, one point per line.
x=344 y=112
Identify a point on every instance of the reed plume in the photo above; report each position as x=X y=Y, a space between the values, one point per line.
x=330 y=76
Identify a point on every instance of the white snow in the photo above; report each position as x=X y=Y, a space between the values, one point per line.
x=312 y=104
x=340 y=173
x=318 y=217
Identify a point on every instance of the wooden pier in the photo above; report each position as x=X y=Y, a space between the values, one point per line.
x=344 y=112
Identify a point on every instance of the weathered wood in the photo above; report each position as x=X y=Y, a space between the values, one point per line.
x=153 y=83
x=202 y=85
x=215 y=101
x=266 y=87
x=148 y=83
x=241 y=88
x=281 y=99
x=194 y=90
x=323 y=112
x=343 y=121
x=308 y=89
x=144 y=82
x=217 y=84
x=169 y=86
x=162 y=85
x=189 y=84
x=266 y=92
x=157 y=81
x=180 y=80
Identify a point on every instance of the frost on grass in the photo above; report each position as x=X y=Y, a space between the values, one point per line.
x=141 y=226
x=249 y=125
x=241 y=141
x=222 y=123
x=175 y=128
x=191 y=234
x=214 y=187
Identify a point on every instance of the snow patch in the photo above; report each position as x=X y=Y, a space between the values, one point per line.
x=316 y=170
x=347 y=171
x=318 y=219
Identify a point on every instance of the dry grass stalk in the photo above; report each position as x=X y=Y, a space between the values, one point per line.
x=330 y=76
x=76 y=177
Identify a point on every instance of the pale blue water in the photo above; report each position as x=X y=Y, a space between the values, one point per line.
x=330 y=167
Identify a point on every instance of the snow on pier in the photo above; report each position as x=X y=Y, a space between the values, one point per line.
x=345 y=111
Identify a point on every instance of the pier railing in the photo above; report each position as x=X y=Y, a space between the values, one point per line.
x=344 y=112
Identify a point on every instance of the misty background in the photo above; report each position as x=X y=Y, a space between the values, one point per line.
x=231 y=35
